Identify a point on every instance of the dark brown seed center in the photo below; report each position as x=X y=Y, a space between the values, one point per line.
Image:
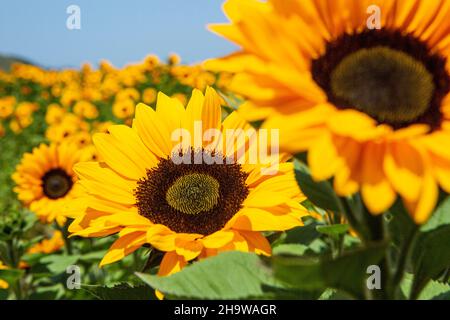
x=392 y=77
x=192 y=198
x=56 y=183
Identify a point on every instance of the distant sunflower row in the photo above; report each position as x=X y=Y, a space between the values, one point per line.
x=74 y=100
x=69 y=105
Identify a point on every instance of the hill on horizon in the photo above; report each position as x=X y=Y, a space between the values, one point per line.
x=6 y=61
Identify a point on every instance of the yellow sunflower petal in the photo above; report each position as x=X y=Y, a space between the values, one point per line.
x=377 y=192
x=189 y=249
x=123 y=247
x=323 y=158
x=211 y=112
x=99 y=180
x=119 y=156
x=422 y=209
x=136 y=148
x=171 y=263
x=218 y=239
x=153 y=133
x=257 y=242
x=170 y=112
x=404 y=167
x=256 y=219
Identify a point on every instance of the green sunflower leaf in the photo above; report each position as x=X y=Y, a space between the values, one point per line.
x=4 y=252
x=306 y=236
x=54 y=292
x=11 y=275
x=439 y=218
x=347 y=273
x=321 y=193
x=58 y=263
x=400 y=223
x=303 y=235
x=290 y=249
x=93 y=256
x=332 y=294
x=3 y=294
x=231 y=100
x=230 y=275
x=434 y=290
x=333 y=230
x=430 y=256
x=430 y=253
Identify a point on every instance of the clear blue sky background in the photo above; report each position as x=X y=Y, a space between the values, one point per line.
x=118 y=30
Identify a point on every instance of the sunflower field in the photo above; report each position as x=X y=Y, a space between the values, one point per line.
x=313 y=163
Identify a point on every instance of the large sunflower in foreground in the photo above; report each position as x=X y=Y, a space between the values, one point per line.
x=45 y=180
x=191 y=209
x=372 y=106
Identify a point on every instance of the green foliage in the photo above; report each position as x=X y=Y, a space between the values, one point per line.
x=15 y=224
x=346 y=273
x=121 y=291
x=51 y=292
x=333 y=294
x=431 y=255
x=319 y=193
x=291 y=249
x=231 y=275
x=333 y=230
x=434 y=290
x=11 y=275
x=441 y=217
x=57 y=264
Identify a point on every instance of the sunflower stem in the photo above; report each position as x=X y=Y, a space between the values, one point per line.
x=353 y=213
x=417 y=288
x=67 y=240
x=12 y=254
x=379 y=233
x=15 y=264
x=154 y=258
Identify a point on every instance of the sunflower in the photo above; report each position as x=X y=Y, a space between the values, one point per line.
x=186 y=209
x=180 y=96
x=3 y=283
x=7 y=106
x=371 y=106
x=47 y=246
x=123 y=109
x=85 y=109
x=55 y=114
x=45 y=180
x=173 y=59
x=149 y=95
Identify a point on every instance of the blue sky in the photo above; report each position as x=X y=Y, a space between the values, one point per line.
x=120 y=31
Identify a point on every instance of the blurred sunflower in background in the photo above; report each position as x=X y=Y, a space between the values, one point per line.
x=186 y=210
x=50 y=245
x=45 y=180
x=7 y=106
x=3 y=283
x=370 y=105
